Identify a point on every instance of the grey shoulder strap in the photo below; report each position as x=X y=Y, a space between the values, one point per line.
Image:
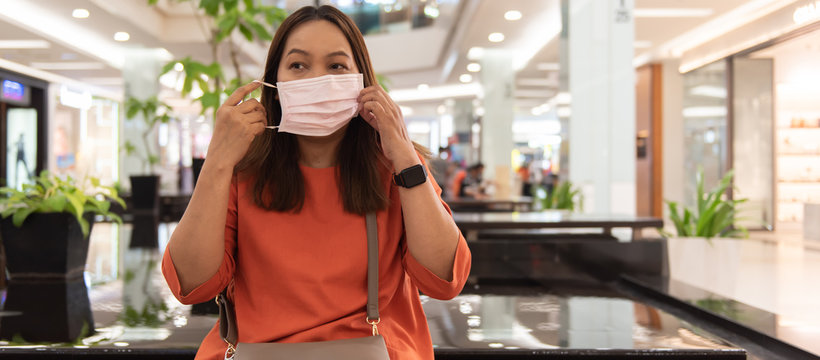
x=227 y=316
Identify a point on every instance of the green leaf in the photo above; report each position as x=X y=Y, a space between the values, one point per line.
x=211 y=7
x=55 y=203
x=209 y=100
x=21 y=215
x=246 y=32
x=261 y=31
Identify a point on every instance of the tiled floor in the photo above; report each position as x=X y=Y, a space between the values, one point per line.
x=778 y=272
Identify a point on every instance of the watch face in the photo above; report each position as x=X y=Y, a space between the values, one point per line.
x=414 y=176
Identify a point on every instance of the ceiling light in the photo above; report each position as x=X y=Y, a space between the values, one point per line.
x=473 y=67
x=441 y=109
x=465 y=78
x=67 y=65
x=475 y=53
x=479 y=111
x=178 y=67
x=496 y=37
x=24 y=44
x=121 y=36
x=672 y=12
x=537 y=111
x=548 y=66
x=423 y=87
x=431 y=11
x=471 y=90
x=512 y=15
x=80 y=13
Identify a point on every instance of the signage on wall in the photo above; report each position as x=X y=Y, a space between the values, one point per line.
x=14 y=92
x=807 y=13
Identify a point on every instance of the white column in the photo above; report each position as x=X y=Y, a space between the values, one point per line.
x=141 y=76
x=602 y=88
x=497 y=78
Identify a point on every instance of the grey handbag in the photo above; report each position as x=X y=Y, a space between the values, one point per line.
x=364 y=348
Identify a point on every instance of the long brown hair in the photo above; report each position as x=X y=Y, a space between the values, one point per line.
x=273 y=157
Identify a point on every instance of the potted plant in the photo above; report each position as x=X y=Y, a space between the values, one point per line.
x=564 y=196
x=705 y=236
x=45 y=231
x=145 y=188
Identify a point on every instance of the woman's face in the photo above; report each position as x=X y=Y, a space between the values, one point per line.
x=313 y=49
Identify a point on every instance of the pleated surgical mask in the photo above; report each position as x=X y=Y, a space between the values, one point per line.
x=318 y=106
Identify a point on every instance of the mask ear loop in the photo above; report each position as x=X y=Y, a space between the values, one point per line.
x=270 y=86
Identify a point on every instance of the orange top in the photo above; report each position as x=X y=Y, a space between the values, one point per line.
x=302 y=277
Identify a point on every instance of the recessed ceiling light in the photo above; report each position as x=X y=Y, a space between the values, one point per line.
x=178 y=67
x=512 y=15
x=423 y=87
x=80 y=13
x=475 y=53
x=121 y=36
x=24 y=44
x=496 y=37
x=672 y=12
x=473 y=67
x=465 y=78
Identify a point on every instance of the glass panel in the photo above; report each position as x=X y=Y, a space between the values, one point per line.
x=752 y=139
x=21 y=157
x=705 y=127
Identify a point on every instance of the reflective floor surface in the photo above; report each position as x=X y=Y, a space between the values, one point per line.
x=136 y=310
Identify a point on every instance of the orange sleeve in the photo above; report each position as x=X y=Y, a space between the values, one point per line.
x=428 y=282
x=213 y=286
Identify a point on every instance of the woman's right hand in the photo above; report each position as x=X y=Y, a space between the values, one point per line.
x=237 y=124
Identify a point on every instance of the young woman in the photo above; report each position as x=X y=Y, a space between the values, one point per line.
x=278 y=213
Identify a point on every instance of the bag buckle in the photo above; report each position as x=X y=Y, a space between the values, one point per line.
x=230 y=352
x=373 y=324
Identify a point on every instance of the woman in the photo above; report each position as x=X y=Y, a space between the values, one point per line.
x=279 y=216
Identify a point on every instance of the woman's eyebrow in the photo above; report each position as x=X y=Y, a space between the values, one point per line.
x=338 y=53
x=297 y=51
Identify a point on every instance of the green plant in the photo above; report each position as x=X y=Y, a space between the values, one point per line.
x=51 y=194
x=715 y=214
x=250 y=18
x=564 y=196
x=153 y=112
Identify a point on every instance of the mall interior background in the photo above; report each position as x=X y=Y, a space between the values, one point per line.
x=626 y=99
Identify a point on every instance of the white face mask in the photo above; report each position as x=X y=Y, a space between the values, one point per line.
x=318 y=106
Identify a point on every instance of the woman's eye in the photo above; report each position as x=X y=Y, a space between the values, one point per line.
x=338 y=67
x=297 y=66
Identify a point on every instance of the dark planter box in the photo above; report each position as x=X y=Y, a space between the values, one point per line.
x=47 y=243
x=145 y=192
x=47 y=299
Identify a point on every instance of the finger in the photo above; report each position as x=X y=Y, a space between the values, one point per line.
x=386 y=102
x=376 y=109
x=257 y=128
x=250 y=105
x=241 y=93
x=255 y=117
x=368 y=90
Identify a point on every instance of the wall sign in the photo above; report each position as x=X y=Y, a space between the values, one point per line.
x=14 y=92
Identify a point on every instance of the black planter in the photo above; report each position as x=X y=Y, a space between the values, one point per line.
x=47 y=243
x=145 y=192
x=47 y=299
x=196 y=166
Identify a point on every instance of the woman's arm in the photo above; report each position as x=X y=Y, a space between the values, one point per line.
x=432 y=235
x=197 y=246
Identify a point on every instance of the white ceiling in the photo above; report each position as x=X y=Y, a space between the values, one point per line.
x=172 y=26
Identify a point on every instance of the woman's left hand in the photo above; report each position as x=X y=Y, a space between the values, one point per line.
x=379 y=110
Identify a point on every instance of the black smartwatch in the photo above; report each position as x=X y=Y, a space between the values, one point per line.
x=412 y=176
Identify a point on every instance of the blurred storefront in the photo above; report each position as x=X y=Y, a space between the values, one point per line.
x=23 y=114
x=751 y=107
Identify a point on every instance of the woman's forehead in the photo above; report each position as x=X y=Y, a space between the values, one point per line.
x=317 y=38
